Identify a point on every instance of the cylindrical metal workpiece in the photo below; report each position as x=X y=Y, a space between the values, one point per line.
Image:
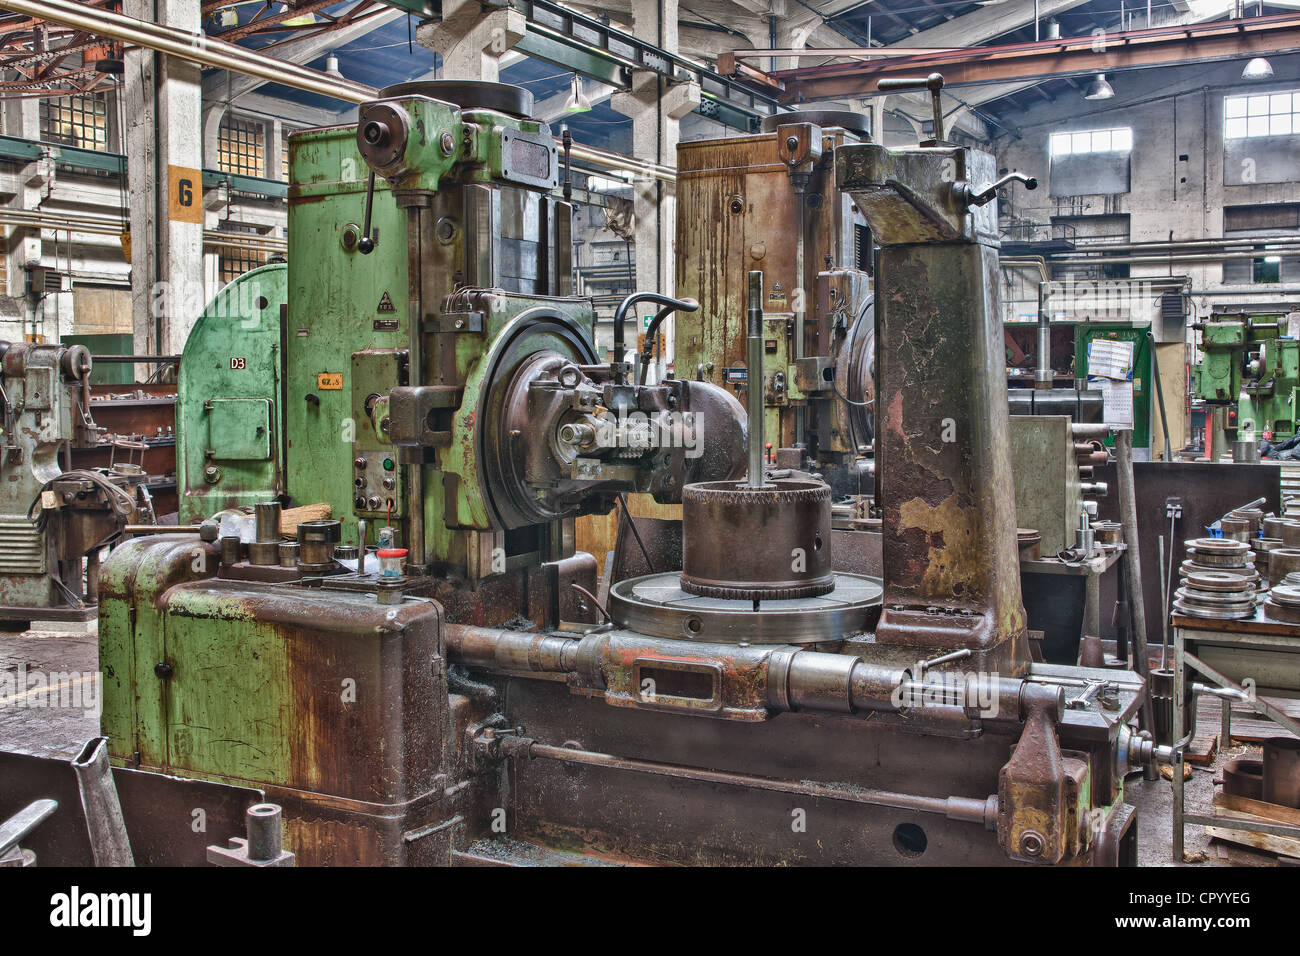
x=1282 y=771
x=1281 y=562
x=264 y=549
x=289 y=553
x=745 y=543
x=232 y=549
x=263 y=826
x=754 y=380
x=267 y=521
x=316 y=543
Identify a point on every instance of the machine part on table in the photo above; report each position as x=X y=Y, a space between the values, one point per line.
x=1246 y=451
x=1108 y=532
x=1282 y=561
x=1030 y=543
x=1238 y=529
x=1283 y=603
x=1244 y=776
x=1226 y=593
x=103 y=809
x=317 y=541
x=264 y=549
x=1254 y=516
x=261 y=844
x=486 y=424
x=1281 y=783
x=757 y=544
x=1291 y=532
x=1271 y=526
x=52 y=519
x=289 y=551
x=232 y=549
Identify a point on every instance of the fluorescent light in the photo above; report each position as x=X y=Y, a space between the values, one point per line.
x=1098 y=89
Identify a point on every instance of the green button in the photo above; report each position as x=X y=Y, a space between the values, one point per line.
x=388 y=464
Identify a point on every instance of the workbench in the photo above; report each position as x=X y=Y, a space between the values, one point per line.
x=1256 y=658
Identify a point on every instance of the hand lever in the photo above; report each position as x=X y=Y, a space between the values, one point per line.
x=366 y=245
x=933 y=83
x=970 y=197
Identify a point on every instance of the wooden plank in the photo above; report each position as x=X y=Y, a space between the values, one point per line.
x=1258 y=841
x=1249 y=807
x=1202 y=750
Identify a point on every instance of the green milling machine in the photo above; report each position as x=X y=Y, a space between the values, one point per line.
x=1253 y=362
x=422 y=366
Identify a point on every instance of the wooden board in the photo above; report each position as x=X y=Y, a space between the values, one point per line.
x=1245 y=806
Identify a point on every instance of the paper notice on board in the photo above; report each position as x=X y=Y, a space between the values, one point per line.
x=1117 y=402
x=1110 y=358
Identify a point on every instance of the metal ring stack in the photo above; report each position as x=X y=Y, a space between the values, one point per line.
x=1218 y=580
x=1283 y=602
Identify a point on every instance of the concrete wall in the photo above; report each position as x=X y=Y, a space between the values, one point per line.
x=1177 y=168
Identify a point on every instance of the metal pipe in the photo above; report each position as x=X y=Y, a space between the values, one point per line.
x=965 y=809
x=108 y=837
x=1133 y=566
x=1164 y=260
x=754 y=380
x=1043 y=377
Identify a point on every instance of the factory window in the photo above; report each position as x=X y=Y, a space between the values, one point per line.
x=284 y=158
x=1261 y=114
x=241 y=147
x=237 y=258
x=76 y=121
x=1093 y=141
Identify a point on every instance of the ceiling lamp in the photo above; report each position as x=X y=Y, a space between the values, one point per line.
x=1257 y=69
x=577 y=101
x=332 y=67
x=1098 y=89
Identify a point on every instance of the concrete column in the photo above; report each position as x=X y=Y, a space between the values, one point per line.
x=656 y=108
x=471 y=39
x=274 y=137
x=213 y=114
x=22 y=118
x=164 y=136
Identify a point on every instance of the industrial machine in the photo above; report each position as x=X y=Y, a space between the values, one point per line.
x=1252 y=361
x=768 y=201
x=469 y=699
x=53 y=518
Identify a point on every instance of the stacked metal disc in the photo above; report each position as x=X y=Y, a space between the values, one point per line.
x=1283 y=602
x=1218 y=580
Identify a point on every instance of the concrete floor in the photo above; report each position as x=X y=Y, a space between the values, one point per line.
x=62 y=731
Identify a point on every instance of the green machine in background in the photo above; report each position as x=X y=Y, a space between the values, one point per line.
x=1251 y=361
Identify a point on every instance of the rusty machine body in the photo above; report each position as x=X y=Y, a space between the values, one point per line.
x=53 y=518
x=469 y=700
x=768 y=201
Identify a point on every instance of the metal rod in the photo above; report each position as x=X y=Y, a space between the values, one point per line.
x=1043 y=377
x=967 y=809
x=1133 y=567
x=754 y=380
x=108 y=837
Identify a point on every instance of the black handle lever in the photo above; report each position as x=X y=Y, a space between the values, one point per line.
x=366 y=244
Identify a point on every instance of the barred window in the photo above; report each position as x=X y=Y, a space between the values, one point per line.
x=241 y=147
x=237 y=258
x=80 y=121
